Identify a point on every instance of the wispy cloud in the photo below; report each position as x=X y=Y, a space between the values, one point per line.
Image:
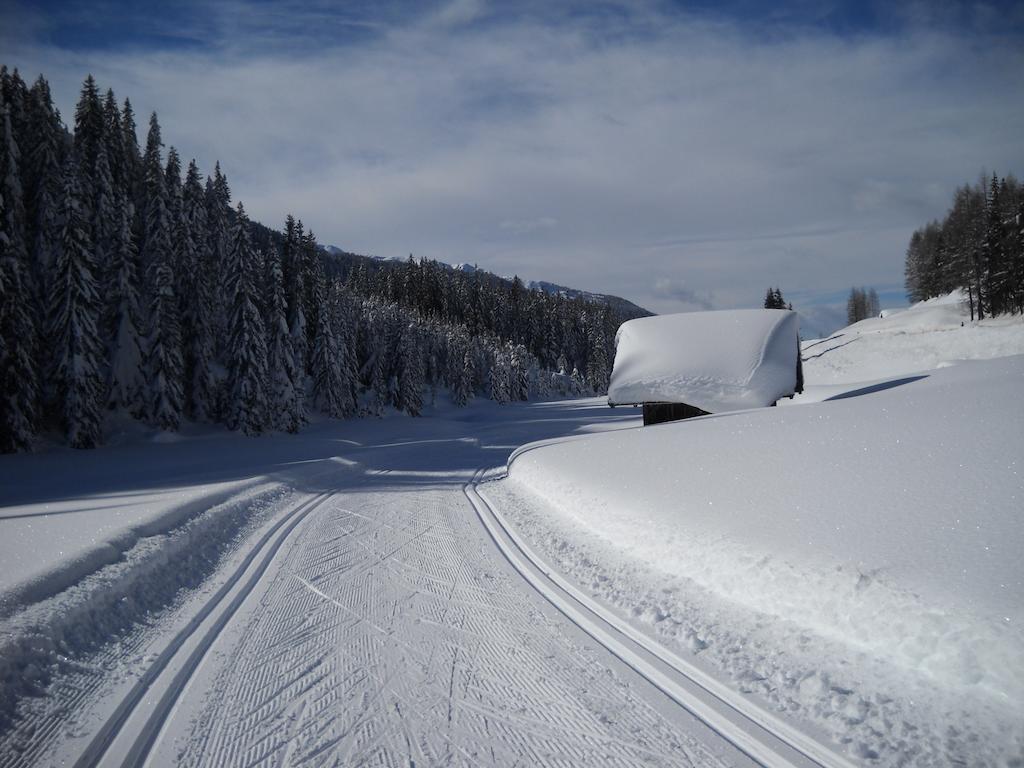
x=660 y=145
x=673 y=289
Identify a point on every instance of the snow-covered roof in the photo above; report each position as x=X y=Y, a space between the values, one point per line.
x=717 y=361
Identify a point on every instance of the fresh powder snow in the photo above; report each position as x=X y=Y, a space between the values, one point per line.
x=717 y=361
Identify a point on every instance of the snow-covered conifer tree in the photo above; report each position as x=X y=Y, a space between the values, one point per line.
x=43 y=159
x=127 y=385
x=105 y=224
x=598 y=368
x=343 y=315
x=74 y=319
x=328 y=382
x=316 y=284
x=519 y=363
x=500 y=376
x=294 y=268
x=218 y=198
x=163 y=344
x=196 y=291
x=113 y=138
x=459 y=374
x=88 y=129
x=410 y=370
x=134 y=175
x=286 y=379
x=247 y=407
x=18 y=373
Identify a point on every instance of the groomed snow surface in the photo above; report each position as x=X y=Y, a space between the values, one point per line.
x=854 y=562
x=717 y=361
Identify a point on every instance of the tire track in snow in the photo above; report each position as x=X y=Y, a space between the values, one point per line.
x=392 y=632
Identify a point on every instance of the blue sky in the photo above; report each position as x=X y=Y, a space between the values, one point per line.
x=684 y=155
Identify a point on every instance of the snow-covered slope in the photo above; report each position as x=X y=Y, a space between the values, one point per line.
x=854 y=562
x=928 y=335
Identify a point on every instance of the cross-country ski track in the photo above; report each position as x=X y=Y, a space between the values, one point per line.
x=392 y=617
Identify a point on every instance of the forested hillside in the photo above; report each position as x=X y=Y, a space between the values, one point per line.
x=130 y=283
x=977 y=247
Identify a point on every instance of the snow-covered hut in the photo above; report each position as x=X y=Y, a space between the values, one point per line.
x=695 y=363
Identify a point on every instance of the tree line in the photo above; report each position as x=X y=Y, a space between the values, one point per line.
x=861 y=304
x=130 y=283
x=978 y=248
x=563 y=334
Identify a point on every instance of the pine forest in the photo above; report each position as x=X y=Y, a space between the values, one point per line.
x=132 y=284
x=978 y=247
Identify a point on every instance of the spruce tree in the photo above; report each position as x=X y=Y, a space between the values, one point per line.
x=247 y=407
x=996 y=267
x=126 y=385
x=19 y=393
x=113 y=138
x=520 y=363
x=218 y=197
x=15 y=94
x=134 y=175
x=163 y=344
x=105 y=223
x=501 y=376
x=343 y=316
x=295 y=279
x=410 y=371
x=286 y=378
x=44 y=159
x=196 y=300
x=598 y=368
x=454 y=373
x=88 y=127
x=328 y=381
x=74 y=318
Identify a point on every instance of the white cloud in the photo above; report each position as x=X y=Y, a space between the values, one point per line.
x=685 y=298
x=673 y=149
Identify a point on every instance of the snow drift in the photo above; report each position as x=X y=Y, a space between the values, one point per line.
x=717 y=361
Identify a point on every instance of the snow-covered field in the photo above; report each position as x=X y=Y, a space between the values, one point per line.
x=853 y=563
x=848 y=563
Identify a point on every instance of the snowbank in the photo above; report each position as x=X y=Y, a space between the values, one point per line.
x=716 y=361
x=47 y=547
x=879 y=531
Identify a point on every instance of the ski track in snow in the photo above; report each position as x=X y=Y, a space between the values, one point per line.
x=390 y=633
x=72 y=652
